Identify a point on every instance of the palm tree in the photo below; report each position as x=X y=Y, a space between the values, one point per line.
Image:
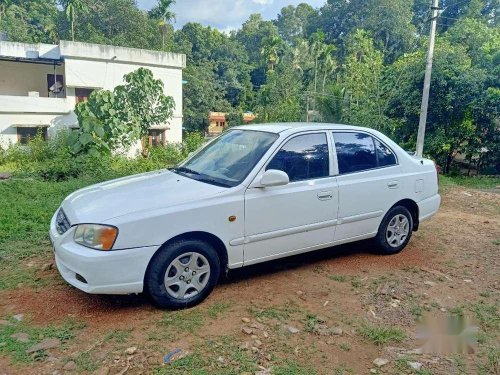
x=271 y=47
x=164 y=15
x=71 y=8
x=329 y=63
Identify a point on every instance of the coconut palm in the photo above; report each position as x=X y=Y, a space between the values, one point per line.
x=271 y=48
x=71 y=8
x=165 y=16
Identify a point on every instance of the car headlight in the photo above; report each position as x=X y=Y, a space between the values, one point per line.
x=99 y=237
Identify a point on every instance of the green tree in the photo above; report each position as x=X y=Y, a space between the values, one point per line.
x=293 y=22
x=71 y=9
x=363 y=78
x=271 y=49
x=452 y=118
x=115 y=120
x=163 y=13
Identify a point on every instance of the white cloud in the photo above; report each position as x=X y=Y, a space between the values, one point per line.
x=225 y=14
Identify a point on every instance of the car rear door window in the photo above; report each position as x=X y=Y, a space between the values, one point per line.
x=355 y=152
x=303 y=157
x=385 y=156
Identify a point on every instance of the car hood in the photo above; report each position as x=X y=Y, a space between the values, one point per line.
x=143 y=192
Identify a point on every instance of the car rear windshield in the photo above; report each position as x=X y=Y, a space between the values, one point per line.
x=228 y=160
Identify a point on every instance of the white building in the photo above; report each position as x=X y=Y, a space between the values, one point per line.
x=40 y=84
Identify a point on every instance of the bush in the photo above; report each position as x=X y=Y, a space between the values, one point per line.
x=52 y=160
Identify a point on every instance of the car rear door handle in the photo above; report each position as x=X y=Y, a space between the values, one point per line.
x=325 y=195
x=393 y=184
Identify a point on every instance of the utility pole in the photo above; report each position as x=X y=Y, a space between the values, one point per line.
x=427 y=80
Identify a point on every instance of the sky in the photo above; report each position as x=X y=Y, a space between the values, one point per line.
x=225 y=15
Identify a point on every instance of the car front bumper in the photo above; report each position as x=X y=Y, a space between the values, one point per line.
x=100 y=272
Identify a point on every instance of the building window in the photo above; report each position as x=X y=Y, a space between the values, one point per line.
x=55 y=87
x=82 y=94
x=156 y=137
x=24 y=135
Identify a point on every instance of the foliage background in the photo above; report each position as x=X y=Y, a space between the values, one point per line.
x=359 y=62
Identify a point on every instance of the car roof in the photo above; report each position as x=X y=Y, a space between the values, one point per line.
x=297 y=126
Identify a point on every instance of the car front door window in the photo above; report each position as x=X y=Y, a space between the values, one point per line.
x=303 y=157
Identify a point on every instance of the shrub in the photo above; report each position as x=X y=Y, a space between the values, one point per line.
x=53 y=160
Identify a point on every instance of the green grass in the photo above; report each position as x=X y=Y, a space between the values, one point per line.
x=474 y=182
x=182 y=321
x=344 y=346
x=382 y=335
x=276 y=312
x=292 y=368
x=217 y=309
x=87 y=362
x=17 y=350
x=487 y=314
x=339 y=278
x=118 y=335
x=27 y=207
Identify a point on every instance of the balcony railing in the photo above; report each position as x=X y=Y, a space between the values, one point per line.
x=33 y=104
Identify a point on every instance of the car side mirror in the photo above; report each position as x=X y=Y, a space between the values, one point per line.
x=274 y=177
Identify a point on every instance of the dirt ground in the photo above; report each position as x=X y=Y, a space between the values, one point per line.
x=345 y=303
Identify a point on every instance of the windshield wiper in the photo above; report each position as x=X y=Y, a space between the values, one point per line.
x=184 y=169
x=212 y=181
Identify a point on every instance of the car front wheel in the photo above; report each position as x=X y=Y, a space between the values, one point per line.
x=395 y=231
x=182 y=274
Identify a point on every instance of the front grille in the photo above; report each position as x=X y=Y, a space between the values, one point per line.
x=62 y=222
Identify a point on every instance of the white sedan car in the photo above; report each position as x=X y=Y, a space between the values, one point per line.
x=255 y=193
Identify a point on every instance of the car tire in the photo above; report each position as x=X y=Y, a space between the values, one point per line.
x=182 y=274
x=395 y=231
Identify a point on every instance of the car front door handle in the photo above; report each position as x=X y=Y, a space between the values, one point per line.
x=393 y=184
x=325 y=195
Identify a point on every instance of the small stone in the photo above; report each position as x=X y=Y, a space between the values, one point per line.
x=442 y=309
x=258 y=343
x=21 y=337
x=18 y=317
x=131 y=350
x=258 y=326
x=379 y=362
x=69 y=366
x=430 y=283
x=247 y=330
x=255 y=349
x=220 y=359
x=330 y=342
x=244 y=346
x=254 y=336
x=337 y=331
x=415 y=365
x=373 y=371
x=293 y=329
x=5 y=323
x=47 y=266
x=321 y=329
x=467 y=280
x=265 y=334
x=43 y=345
x=299 y=292
x=5 y=175
x=51 y=359
x=245 y=320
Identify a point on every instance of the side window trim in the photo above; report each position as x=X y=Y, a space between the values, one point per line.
x=289 y=138
x=374 y=146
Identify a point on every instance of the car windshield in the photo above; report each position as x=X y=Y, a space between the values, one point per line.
x=228 y=160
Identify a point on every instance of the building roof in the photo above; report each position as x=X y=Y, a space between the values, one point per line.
x=52 y=53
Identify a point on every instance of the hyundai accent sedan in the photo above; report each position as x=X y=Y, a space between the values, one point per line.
x=255 y=193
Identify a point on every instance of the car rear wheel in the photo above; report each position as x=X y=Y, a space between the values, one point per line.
x=182 y=274
x=395 y=231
